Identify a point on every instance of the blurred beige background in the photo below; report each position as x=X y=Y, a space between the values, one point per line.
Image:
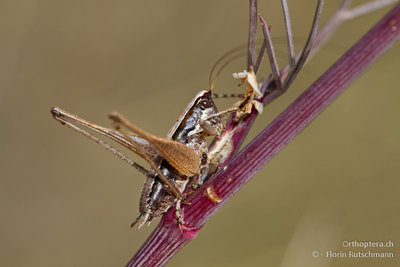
x=66 y=202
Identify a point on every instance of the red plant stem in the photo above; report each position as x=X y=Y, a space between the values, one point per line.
x=166 y=240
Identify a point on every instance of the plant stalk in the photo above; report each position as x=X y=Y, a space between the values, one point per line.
x=167 y=240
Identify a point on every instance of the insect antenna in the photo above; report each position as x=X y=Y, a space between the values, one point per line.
x=225 y=60
x=233 y=54
x=214 y=95
x=228 y=61
x=295 y=63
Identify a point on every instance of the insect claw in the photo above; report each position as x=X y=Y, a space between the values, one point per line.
x=181 y=225
x=180 y=229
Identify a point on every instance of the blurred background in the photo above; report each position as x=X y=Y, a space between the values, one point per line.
x=65 y=201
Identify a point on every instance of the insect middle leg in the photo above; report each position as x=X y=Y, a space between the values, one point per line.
x=179 y=217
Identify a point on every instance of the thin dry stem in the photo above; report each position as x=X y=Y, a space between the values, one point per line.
x=260 y=57
x=366 y=8
x=341 y=15
x=307 y=47
x=271 y=53
x=252 y=34
x=289 y=34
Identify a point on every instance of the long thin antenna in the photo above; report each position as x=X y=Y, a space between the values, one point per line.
x=229 y=60
x=239 y=48
x=223 y=57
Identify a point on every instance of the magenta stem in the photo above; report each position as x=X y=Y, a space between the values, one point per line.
x=166 y=240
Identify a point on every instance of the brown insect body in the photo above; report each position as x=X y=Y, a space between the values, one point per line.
x=175 y=162
x=190 y=129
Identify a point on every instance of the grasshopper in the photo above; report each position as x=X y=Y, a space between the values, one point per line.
x=176 y=160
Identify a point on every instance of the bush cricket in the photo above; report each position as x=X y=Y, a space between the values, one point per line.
x=175 y=161
x=184 y=157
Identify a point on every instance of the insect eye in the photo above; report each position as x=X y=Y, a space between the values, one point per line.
x=205 y=103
